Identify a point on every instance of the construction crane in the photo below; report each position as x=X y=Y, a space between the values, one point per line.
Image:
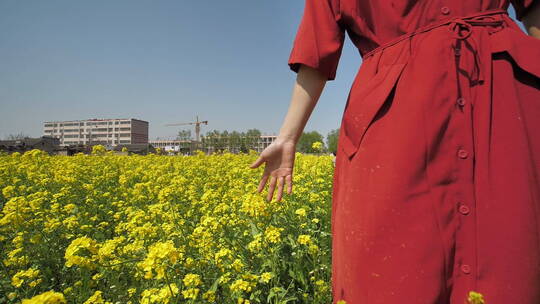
x=196 y=123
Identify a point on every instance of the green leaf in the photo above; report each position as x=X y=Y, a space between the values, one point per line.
x=215 y=285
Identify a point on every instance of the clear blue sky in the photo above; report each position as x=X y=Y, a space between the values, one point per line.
x=162 y=61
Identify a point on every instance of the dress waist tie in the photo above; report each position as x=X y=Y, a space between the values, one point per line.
x=461 y=29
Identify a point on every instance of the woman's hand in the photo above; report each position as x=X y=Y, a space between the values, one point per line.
x=279 y=159
x=279 y=155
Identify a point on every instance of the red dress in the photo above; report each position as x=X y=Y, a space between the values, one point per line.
x=437 y=178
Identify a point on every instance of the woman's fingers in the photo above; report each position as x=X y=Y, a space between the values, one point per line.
x=280 y=183
x=257 y=162
x=288 y=180
x=262 y=183
x=271 y=187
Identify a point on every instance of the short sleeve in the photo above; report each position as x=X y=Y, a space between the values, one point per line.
x=522 y=7
x=319 y=38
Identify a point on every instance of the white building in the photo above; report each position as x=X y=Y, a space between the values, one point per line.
x=265 y=141
x=108 y=132
x=170 y=145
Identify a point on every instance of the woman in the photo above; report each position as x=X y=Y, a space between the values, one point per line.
x=437 y=178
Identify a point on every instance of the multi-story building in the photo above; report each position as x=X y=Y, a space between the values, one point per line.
x=109 y=132
x=265 y=141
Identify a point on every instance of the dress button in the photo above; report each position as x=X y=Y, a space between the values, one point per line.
x=466 y=268
x=461 y=101
x=445 y=10
x=462 y=153
x=464 y=209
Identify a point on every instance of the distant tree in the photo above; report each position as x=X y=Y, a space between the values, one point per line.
x=18 y=136
x=306 y=140
x=235 y=141
x=332 y=140
x=250 y=140
x=184 y=135
x=216 y=140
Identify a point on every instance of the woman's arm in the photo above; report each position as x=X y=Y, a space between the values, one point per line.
x=279 y=156
x=531 y=21
x=306 y=92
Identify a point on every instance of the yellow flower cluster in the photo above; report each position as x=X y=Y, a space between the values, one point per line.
x=26 y=275
x=273 y=234
x=48 y=297
x=192 y=280
x=304 y=239
x=159 y=295
x=160 y=255
x=475 y=298
x=317 y=146
x=105 y=228
x=96 y=298
x=82 y=252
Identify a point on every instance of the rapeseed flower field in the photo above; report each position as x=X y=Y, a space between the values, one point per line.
x=107 y=228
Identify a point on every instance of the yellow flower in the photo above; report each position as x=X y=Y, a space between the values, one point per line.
x=240 y=285
x=96 y=298
x=8 y=192
x=209 y=296
x=266 y=276
x=159 y=255
x=35 y=283
x=81 y=252
x=256 y=244
x=313 y=249
x=25 y=275
x=304 y=239
x=190 y=293
x=192 y=280
x=159 y=295
x=317 y=146
x=273 y=234
x=48 y=297
x=241 y=300
x=237 y=265
x=301 y=212
x=12 y=295
x=475 y=298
